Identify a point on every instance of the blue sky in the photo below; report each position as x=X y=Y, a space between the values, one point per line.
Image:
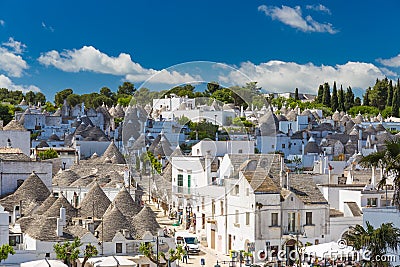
x=85 y=45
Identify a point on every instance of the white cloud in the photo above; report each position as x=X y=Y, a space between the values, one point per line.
x=294 y=18
x=6 y=82
x=49 y=28
x=10 y=60
x=319 y=7
x=89 y=58
x=279 y=76
x=391 y=62
x=15 y=46
x=2 y=22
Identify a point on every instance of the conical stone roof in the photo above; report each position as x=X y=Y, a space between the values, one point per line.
x=65 y=178
x=113 y=222
x=145 y=221
x=45 y=205
x=125 y=203
x=161 y=146
x=32 y=193
x=113 y=153
x=14 y=126
x=54 y=210
x=268 y=124
x=95 y=203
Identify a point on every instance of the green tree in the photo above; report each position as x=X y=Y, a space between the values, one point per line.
x=124 y=101
x=211 y=88
x=390 y=94
x=366 y=101
x=379 y=94
x=68 y=251
x=341 y=99
x=30 y=97
x=389 y=161
x=320 y=93
x=357 y=101
x=326 y=98
x=126 y=88
x=106 y=92
x=73 y=100
x=183 y=120
x=223 y=95
x=349 y=99
x=173 y=254
x=335 y=99
x=396 y=102
x=144 y=96
x=378 y=241
x=48 y=154
x=100 y=99
x=185 y=90
x=60 y=96
x=89 y=252
x=203 y=130
x=49 y=107
x=296 y=94
x=40 y=98
x=6 y=114
x=5 y=251
x=353 y=111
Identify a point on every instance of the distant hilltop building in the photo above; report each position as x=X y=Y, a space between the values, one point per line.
x=302 y=97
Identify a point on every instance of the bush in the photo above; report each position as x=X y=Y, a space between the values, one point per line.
x=48 y=154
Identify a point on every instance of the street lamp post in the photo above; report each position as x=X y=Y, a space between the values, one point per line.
x=157 y=251
x=297 y=234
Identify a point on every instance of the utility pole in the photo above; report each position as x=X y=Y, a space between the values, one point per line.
x=157 y=251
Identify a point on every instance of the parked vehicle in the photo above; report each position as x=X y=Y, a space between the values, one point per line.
x=186 y=239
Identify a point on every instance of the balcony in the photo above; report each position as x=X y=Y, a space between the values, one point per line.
x=182 y=190
x=293 y=230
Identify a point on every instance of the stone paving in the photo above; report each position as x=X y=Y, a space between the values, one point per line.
x=210 y=256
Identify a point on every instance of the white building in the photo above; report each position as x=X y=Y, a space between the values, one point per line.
x=16 y=136
x=247 y=201
x=15 y=168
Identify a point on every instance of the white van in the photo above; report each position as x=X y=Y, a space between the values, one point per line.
x=184 y=238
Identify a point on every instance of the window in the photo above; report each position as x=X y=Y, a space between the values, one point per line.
x=198 y=208
x=283 y=145
x=222 y=207
x=240 y=151
x=236 y=189
x=118 y=247
x=309 y=218
x=274 y=219
x=203 y=221
x=247 y=218
x=212 y=208
x=189 y=181
x=180 y=180
x=247 y=191
x=202 y=203
x=272 y=146
x=372 y=202
x=47 y=255
x=291 y=222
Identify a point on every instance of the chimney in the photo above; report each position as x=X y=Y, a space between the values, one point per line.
x=61 y=222
x=373 y=178
x=288 y=179
x=282 y=173
x=208 y=160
